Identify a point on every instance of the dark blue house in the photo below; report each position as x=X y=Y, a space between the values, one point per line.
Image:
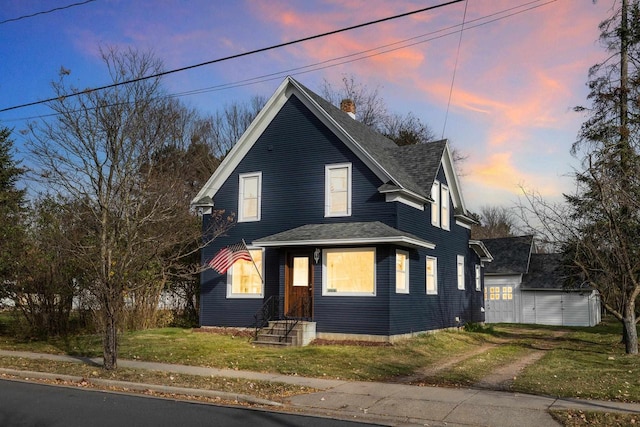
x=348 y=231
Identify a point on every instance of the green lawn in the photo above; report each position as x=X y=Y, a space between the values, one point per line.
x=583 y=362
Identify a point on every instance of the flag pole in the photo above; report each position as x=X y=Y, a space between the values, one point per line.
x=254 y=263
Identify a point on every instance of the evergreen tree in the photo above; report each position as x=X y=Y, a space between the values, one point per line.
x=11 y=210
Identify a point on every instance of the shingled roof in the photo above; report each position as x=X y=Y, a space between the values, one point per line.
x=409 y=170
x=511 y=255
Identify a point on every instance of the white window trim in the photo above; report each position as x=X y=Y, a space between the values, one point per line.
x=445 y=217
x=435 y=204
x=433 y=291
x=478 y=278
x=406 y=272
x=241 y=178
x=460 y=272
x=327 y=189
x=325 y=275
x=232 y=295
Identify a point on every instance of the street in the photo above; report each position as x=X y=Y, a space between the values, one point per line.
x=29 y=404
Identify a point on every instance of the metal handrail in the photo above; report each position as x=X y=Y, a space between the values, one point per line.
x=273 y=309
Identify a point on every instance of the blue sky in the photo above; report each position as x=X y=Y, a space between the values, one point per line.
x=521 y=67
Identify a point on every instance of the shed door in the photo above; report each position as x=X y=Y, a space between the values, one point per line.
x=299 y=285
x=499 y=304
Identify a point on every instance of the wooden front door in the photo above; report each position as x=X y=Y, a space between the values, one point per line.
x=299 y=285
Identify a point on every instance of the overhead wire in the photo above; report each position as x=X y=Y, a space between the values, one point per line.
x=239 y=55
x=455 y=67
x=345 y=59
x=19 y=18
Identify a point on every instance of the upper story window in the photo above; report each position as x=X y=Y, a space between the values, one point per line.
x=440 y=206
x=432 y=276
x=249 y=197
x=402 y=272
x=435 y=204
x=337 y=190
x=444 y=207
x=460 y=272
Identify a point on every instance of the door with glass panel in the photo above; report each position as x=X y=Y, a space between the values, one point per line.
x=298 y=300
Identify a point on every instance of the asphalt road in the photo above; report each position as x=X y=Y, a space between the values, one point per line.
x=29 y=404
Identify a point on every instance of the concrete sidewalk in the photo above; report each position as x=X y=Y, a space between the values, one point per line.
x=383 y=403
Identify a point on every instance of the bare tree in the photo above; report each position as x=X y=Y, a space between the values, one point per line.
x=495 y=221
x=102 y=152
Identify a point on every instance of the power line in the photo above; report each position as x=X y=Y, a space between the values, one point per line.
x=455 y=67
x=45 y=12
x=239 y=55
x=353 y=57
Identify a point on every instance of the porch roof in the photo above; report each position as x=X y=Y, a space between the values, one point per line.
x=345 y=233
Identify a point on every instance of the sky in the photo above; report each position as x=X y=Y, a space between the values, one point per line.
x=502 y=91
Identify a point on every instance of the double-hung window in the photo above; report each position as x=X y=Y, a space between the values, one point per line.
x=460 y=272
x=338 y=190
x=402 y=272
x=249 y=197
x=244 y=278
x=432 y=276
x=444 y=207
x=435 y=204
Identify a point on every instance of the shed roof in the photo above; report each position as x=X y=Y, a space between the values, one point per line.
x=510 y=254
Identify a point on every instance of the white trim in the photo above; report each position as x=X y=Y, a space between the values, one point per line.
x=463 y=224
x=400 y=240
x=478 y=278
x=327 y=189
x=326 y=293
x=402 y=198
x=241 y=198
x=231 y=295
x=433 y=291
x=404 y=290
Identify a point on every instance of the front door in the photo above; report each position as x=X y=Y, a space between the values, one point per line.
x=299 y=285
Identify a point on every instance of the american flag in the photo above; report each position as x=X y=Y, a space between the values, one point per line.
x=226 y=256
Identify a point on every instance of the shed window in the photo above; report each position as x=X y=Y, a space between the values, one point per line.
x=349 y=272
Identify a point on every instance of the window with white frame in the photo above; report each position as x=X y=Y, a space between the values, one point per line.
x=435 y=204
x=349 y=272
x=338 y=190
x=249 y=197
x=478 y=278
x=402 y=272
x=244 y=278
x=444 y=207
x=460 y=272
x=432 y=276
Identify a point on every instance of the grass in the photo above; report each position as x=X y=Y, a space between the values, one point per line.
x=582 y=362
x=581 y=418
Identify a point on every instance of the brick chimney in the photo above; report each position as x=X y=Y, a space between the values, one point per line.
x=349 y=107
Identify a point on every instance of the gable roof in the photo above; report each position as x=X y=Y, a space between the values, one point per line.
x=545 y=272
x=344 y=233
x=511 y=255
x=407 y=170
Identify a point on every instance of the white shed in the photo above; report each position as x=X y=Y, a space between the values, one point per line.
x=526 y=287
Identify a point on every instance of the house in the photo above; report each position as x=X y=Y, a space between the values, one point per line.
x=351 y=233
x=522 y=286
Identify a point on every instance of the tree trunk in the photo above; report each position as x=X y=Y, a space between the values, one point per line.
x=630 y=332
x=110 y=341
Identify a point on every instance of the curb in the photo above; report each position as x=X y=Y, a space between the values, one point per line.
x=26 y=375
